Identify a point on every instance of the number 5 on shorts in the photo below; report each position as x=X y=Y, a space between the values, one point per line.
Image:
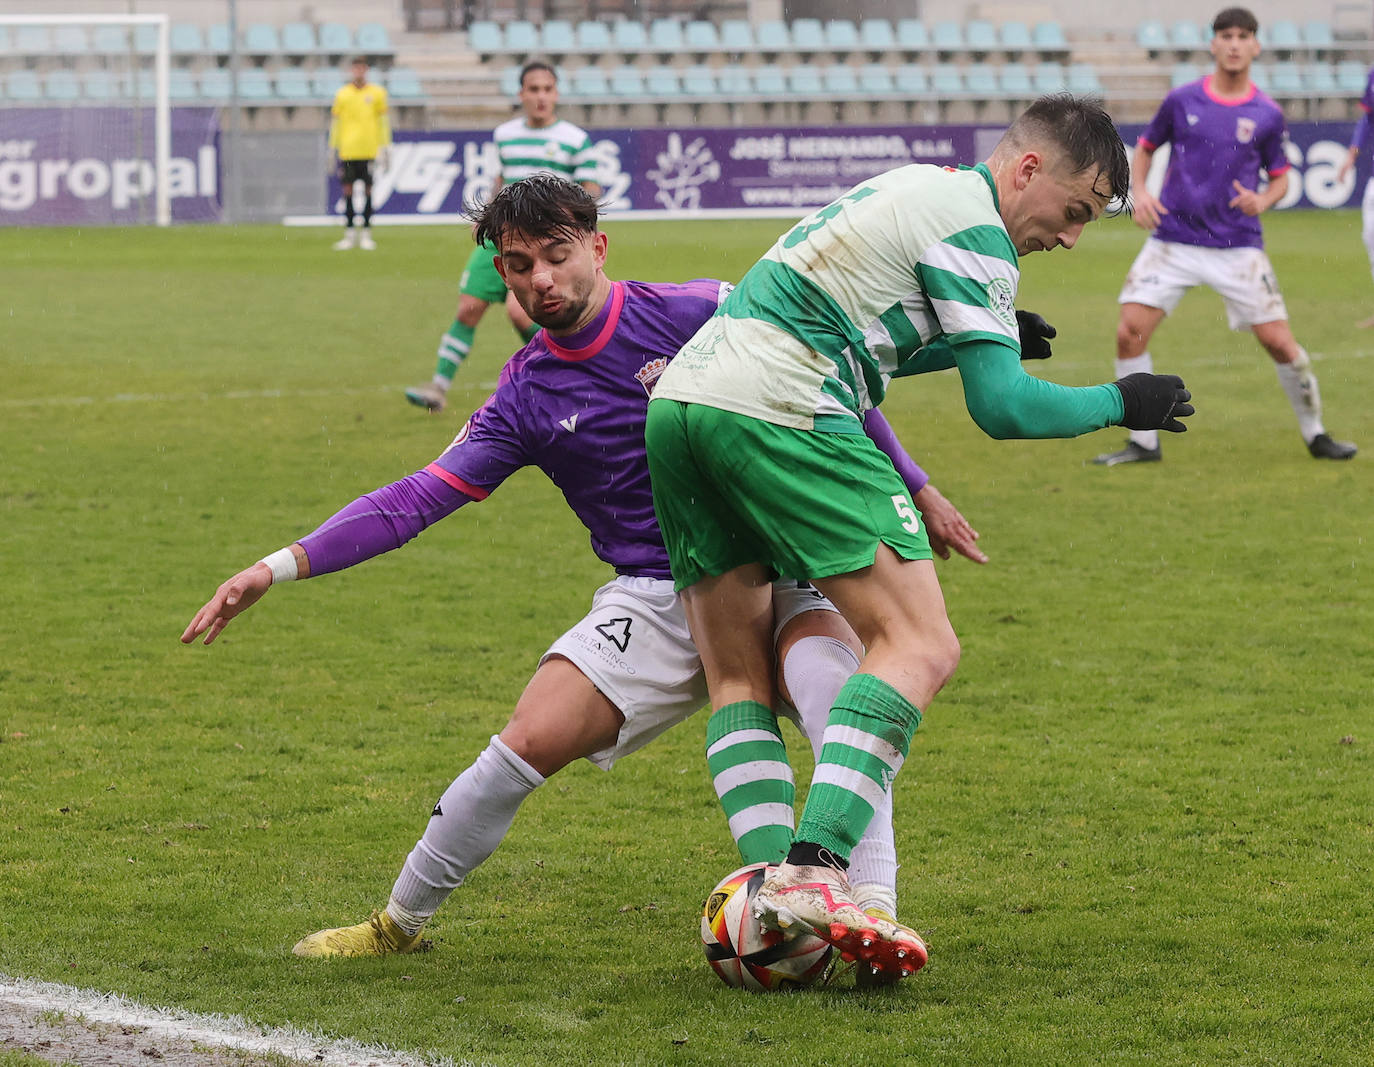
x=910 y=519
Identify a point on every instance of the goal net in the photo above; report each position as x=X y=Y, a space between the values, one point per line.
x=85 y=119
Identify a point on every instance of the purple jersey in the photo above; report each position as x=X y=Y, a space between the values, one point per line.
x=1215 y=142
x=574 y=407
x=1361 y=133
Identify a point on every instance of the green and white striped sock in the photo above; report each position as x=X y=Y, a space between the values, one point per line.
x=454 y=347
x=866 y=740
x=749 y=768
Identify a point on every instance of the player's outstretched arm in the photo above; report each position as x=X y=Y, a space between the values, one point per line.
x=1146 y=210
x=236 y=596
x=946 y=527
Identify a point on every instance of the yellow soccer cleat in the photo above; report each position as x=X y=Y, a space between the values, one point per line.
x=379 y=936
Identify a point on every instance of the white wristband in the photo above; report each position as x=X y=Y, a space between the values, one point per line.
x=282 y=564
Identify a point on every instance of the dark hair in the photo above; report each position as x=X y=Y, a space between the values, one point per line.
x=1235 y=18
x=540 y=206
x=358 y=59
x=537 y=64
x=1083 y=131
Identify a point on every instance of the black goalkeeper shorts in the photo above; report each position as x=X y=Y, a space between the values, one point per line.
x=355 y=170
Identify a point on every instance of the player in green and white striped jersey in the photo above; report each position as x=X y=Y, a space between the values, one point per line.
x=760 y=466
x=535 y=142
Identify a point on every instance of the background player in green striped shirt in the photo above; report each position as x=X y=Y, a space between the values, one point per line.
x=536 y=142
x=760 y=466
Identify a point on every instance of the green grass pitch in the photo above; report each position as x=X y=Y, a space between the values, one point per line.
x=1136 y=827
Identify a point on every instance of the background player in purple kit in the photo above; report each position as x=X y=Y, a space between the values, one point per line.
x=1357 y=142
x=572 y=402
x=1205 y=227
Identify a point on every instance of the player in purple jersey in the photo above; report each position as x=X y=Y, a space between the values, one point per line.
x=573 y=402
x=1205 y=229
x=1357 y=142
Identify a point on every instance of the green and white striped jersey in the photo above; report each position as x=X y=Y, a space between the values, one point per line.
x=562 y=149
x=840 y=304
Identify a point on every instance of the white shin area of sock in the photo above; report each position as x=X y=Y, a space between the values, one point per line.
x=815 y=670
x=1141 y=364
x=464 y=829
x=1300 y=386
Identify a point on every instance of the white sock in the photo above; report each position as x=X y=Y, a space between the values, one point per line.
x=1300 y=386
x=1141 y=364
x=464 y=829
x=441 y=383
x=815 y=669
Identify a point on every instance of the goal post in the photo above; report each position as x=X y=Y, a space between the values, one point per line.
x=156 y=28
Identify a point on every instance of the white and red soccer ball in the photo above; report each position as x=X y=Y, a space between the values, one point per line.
x=743 y=952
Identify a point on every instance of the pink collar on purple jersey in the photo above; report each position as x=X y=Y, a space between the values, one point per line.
x=609 y=318
x=1228 y=101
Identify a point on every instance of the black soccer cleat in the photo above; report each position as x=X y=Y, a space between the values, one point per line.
x=1132 y=453
x=1322 y=447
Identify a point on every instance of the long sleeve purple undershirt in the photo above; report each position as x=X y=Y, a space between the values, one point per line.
x=1361 y=132
x=387 y=518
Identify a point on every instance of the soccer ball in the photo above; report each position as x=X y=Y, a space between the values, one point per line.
x=747 y=955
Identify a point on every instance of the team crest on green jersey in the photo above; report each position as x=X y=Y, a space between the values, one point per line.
x=1002 y=300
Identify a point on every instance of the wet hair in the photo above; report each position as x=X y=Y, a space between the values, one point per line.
x=1235 y=18
x=1084 y=133
x=540 y=207
x=537 y=64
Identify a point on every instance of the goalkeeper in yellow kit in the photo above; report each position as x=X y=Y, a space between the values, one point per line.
x=359 y=135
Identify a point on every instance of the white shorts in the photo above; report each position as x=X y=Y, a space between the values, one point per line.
x=1244 y=277
x=635 y=647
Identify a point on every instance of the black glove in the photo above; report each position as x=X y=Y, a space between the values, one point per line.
x=1154 y=402
x=1035 y=335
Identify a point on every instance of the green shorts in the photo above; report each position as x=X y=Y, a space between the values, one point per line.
x=481 y=278
x=730 y=490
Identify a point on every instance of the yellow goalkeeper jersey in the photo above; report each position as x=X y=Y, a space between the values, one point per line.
x=360 y=126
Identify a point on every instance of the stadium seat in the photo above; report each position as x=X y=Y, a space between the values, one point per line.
x=1350 y=77
x=292 y=85
x=698 y=80
x=876 y=35
x=947 y=80
x=23 y=86
x=588 y=82
x=1281 y=36
x=980 y=36
x=1048 y=78
x=558 y=38
x=593 y=37
x=214 y=85
x=186 y=39
x=404 y=85
x=629 y=37
x=841 y=36
x=808 y=36
x=336 y=41
x=701 y=36
x=145 y=40
x=32 y=41
x=72 y=40
x=1186 y=36
x=981 y=80
x=181 y=85
x=510 y=81
x=254 y=85
x=876 y=80
x=486 y=38
x=911 y=79
x=1285 y=79
x=1319 y=78
x=840 y=79
x=1048 y=38
x=737 y=36
x=61 y=86
x=1317 y=35
x=665 y=35
x=626 y=82
x=1183 y=73
x=298 y=42
x=1083 y=80
x=99 y=86
x=260 y=39
x=324 y=84
x=662 y=81
x=735 y=81
x=1015 y=37
x=773 y=36
x=1152 y=36
x=947 y=37
x=1014 y=80
x=1260 y=74
x=373 y=40
x=522 y=37
x=4 y=40
x=805 y=80
x=770 y=82
x=912 y=36
x=217 y=40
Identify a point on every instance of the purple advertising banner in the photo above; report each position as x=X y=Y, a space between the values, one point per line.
x=88 y=165
x=760 y=170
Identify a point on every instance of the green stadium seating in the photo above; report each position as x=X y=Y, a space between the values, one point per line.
x=773 y=36
x=1049 y=77
x=630 y=37
x=911 y=79
x=840 y=79
x=292 y=85
x=877 y=35
x=665 y=35
x=298 y=42
x=1014 y=79
x=627 y=82
x=912 y=37
x=980 y=36
x=558 y=38
x=588 y=82
x=808 y=35
x=593 y=37
x=735 y=81
x=736 y=36
x=841 y=36
x=699 y=80
x=662 y=81
x=1014 y=37
x=805 y=80
x=522 y=37
x=876 y=80
x=947 y=37
x=701 y=36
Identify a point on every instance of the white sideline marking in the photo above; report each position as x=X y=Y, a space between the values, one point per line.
x=182 y=398
x=229 y=1031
